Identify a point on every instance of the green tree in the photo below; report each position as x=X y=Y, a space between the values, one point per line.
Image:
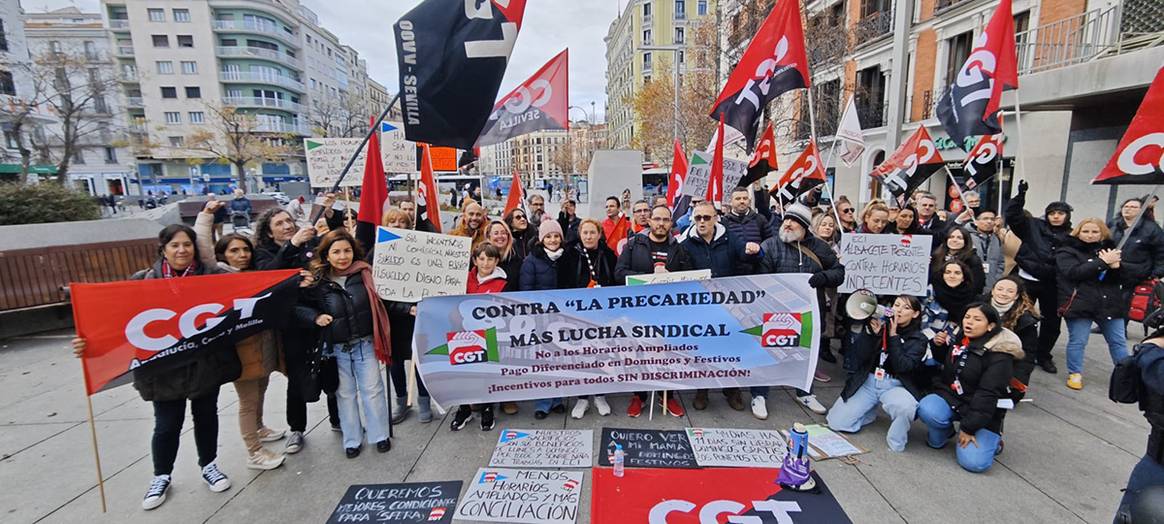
x=43 y=203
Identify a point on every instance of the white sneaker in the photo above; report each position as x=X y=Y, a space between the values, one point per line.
x=264 y=459
x=760 y=407
x=215 y=479
x=156 y=495
x=813 y=404
x=600 y=403
x=270 y=435
x=580 y=408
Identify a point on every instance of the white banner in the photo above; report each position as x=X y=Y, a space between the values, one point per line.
x=544 y=448
x=668 y=277
x=399 y=154
x=741 y=448
x=529 y=496
x=410 y=265
x=326 y=158
x=888 y=265
x=699 y=174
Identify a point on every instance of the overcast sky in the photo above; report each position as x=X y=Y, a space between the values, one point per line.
x=548 y=27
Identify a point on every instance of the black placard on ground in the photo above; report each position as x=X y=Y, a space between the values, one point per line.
x=647 y=448
x=411 y=502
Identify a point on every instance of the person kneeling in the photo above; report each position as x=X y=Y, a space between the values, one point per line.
x=485 y=277
x=882 y=367
x=976 y=374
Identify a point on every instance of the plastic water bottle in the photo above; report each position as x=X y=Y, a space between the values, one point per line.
x=619 y=461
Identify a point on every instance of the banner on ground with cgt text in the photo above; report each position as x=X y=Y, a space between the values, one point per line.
x=725 y=332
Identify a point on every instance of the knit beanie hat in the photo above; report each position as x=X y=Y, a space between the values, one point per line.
x=547 y=227
x=800 y=213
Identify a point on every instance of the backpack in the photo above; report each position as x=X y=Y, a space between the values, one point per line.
x=1147 y=297
x=1126 y=384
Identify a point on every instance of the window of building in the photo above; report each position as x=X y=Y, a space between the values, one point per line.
x=680 y=9
x=176 y=141
x=957 y=51
x=197 y=117
x=228 y=42
x=193 y=92
x=160 y=40
x=3 y=37
x=79 y=155
x=11 y=140
x=173 y=117
x=90 y=50
x=181 y=15
x=185 y=41
x=679 y=35
x=157 y=15
x=646 y=61
x=169 y=92
x=189 y=67
x=99 y=105
x=647 y=11
x=55 y=46
x=646 y=37
x=1022 y=23
x=701 y=7
x=262 y=44
x=165 y=67
x=261 y=23
x=110 y=155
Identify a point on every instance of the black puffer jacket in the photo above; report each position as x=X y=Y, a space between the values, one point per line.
x=985 y=378
x=749 y=227
x=1036 y=255
x=1143 y=254
x=269 y=255
x=904 y=355
x=197 y=376
x=574 y=271
x=1098 y=288
x=720 y=255
x=778 y=256
x=349 y=306
x=637 y=258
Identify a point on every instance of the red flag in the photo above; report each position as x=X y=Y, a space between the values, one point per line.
x=678 y=175
x=763 y=158
x=516 y=194
x=805 y=173
x=541 y=102
x=171 y=319
x=981 y=162
x=427 y=207
x=715 y=181
x=374 y=191
x=774 y=63
x=912 y=164
x=969 y=107
x=1139 y=157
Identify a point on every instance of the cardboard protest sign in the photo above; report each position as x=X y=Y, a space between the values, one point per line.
x=647 y=448
x=410 y=265
x=531 y=496
x=398 y=503
x=326 y=158
x=544 y=448
x=887 y=265
x=397 y=152
x=723 y=332
x=699 y=175
x=738 y=447
x=664 y=278
x=707 y=495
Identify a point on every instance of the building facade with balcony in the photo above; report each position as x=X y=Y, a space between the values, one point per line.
x=1084 y=67
x=101 y=164
x=628 y=66
x=15 y=87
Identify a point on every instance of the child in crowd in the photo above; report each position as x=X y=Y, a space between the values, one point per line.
x=484 y=277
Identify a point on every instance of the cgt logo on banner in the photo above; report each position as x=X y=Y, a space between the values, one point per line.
x=781 y=330
x=470 y=347
x=170 y=319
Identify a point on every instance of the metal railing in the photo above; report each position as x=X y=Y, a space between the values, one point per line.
x=872 y=27
x=118 y=23
x=251 y=27
x=128 y=76
x=262 y=78
x=134 y=101
x=1068 y=41
x=275 y=103
x=124 y=50
x=283 y=127
x=257 y=52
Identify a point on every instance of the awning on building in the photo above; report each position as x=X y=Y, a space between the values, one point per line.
x=12 y=169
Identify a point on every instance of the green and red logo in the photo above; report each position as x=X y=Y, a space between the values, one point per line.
x=784 y=330
x=469 y=347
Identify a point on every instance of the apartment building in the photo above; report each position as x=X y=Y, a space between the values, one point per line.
x=585 y=139
x=100 y=163
x=1084 y=66
x=643 y=23
x=181 y=59
x=541 y=154
x=15 y=86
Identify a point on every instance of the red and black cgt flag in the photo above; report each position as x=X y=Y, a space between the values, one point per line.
x=982 y=161
x=970 y=105
x=169 y=320
x=911 y=165
x=452 y=56
x=763 y=158
x=1139 y=157
x=773 y=64
x=541 y=102
x=804 y=174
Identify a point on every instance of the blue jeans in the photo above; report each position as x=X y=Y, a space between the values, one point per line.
x=546 y=404
x=1079 y=329
x=1147 y=473
x=360 y=381
x=861 y=409
x=939 y=417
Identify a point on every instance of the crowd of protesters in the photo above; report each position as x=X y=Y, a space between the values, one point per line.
x=956 y=359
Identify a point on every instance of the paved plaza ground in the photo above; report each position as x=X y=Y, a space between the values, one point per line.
x=1068 y=453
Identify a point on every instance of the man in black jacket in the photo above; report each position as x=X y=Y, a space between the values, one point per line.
x=928 y=221
x=1035 y=263
x=568 y=219
x=647 y=254
x=746 y=224
x=1143 y=252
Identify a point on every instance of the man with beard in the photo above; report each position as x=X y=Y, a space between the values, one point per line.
x=794 y=250
x=616 y=228
x=746 y=224
x=471 y=224
x=537 y=210
x=644 y=254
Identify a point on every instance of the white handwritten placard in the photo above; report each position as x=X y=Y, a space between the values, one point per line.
x=740 y=448
x=888 y=265
x=410 y=265
x=544 y=448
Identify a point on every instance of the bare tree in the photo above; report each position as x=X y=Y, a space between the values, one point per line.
x=237 y=138
x=563 y=157
x=345 y=115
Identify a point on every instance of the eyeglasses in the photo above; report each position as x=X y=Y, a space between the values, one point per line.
x=641 y=210
x=519 y=217
x=846 y=210
x=702 y=218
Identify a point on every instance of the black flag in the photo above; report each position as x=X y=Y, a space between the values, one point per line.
x=452 y=56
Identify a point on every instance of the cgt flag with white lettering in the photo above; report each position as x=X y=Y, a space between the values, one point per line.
x=541 y=102
x=167 y=321
x=1139 y=157
x=982 y=161
x=914 y=162
x=804 y=174
x=452 y=55
x=970 y=106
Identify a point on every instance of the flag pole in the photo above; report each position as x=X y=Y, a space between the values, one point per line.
x=93 y=435
x=352 y=159
x=1139 y=217
x=1018 y=123
x=824 y=168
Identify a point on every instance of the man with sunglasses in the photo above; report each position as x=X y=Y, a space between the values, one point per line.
x=646 y=253
x=709 y=245
x=847 y=212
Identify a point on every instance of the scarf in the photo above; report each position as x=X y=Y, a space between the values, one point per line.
x=168 y=272
x=955 y=299
x=380 y=329
x=590 y=265
x=1002 y=310
x=555 y=254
